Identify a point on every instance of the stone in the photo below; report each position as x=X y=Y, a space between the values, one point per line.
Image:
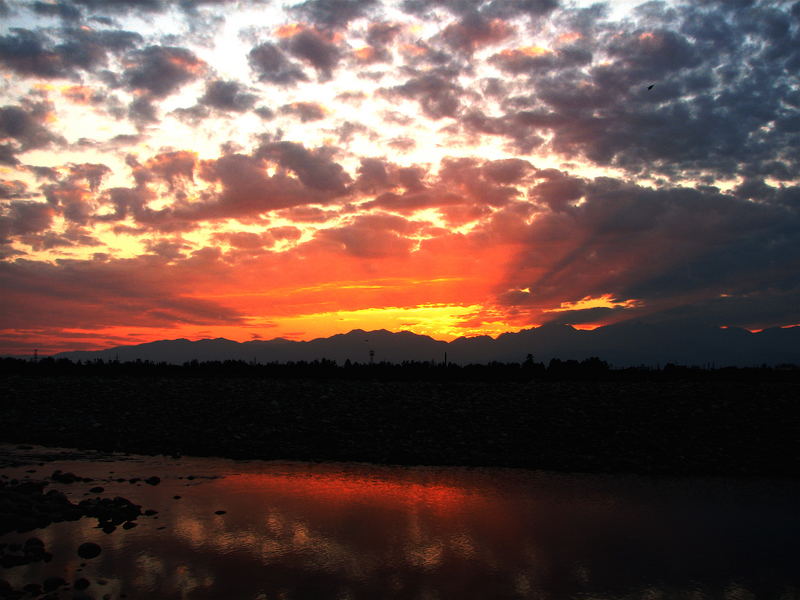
x=53 y=583
x=89 y=550
x=81 y=584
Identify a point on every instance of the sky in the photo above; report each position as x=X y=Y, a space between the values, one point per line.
x=257 y=169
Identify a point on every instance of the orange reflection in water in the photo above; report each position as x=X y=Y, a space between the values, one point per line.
x=341 y=488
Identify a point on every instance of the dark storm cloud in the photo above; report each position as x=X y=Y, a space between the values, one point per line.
x=305 y=111
x=227 y=96
x=333 y=13
x=31 y=53
x=313 y=167
x=314 y=48
x=271 y=64
x=160 y=70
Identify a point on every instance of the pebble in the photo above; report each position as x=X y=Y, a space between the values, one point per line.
x=89 y=550
x=81 y=584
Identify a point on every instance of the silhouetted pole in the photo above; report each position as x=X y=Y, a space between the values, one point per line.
x=371 y=356
x=35 y=355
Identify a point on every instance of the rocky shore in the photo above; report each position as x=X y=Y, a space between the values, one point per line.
x=670 y=427
x=25 y=507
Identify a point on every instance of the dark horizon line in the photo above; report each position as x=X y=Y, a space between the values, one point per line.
x=549 y=325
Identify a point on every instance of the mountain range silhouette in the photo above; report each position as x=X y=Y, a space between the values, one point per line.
x=622 y=345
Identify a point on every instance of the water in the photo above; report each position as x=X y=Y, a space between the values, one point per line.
x=352 y=531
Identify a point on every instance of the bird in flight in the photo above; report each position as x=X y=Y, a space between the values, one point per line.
x=650 y=87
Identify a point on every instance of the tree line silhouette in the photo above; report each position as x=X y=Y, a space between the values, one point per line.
x=590 y=369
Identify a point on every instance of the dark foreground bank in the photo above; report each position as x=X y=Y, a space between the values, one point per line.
x=674 y=426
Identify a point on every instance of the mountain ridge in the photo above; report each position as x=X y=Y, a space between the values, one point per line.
x=623 y=344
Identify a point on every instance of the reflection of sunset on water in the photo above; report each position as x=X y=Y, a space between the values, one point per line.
x=297 y=531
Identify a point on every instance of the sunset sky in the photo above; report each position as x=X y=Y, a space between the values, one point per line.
x=257 y=169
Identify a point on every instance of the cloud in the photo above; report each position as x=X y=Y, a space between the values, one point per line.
x=20 y=217
x=57 y=9
x=161 y=70
x=33 y=54
x=316 y=49
x=176 y=168
x=227 y=96
x=313 y=167
x=673 y=249
x=22 y=129
x=75 y=195
x=474 y=30
x=305 y=111
x=720 y=106
x=13 y=189
x=370 y=236
x=271 y=64
x=94 y=294
x=333 y=13
x=436 y=93
x=24 y=52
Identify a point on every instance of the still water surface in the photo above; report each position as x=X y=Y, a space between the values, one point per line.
x=296 y=531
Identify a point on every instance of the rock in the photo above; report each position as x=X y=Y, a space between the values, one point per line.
x=53 y=583
x=89 y=550
x=97 y=490
x=129 y=525
x=176 y=497
x=81 y=584
x=61 y=477
x=34 y=589
x=150 y=512
x=153 y=480
x=220 y=512
x=110 y=512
